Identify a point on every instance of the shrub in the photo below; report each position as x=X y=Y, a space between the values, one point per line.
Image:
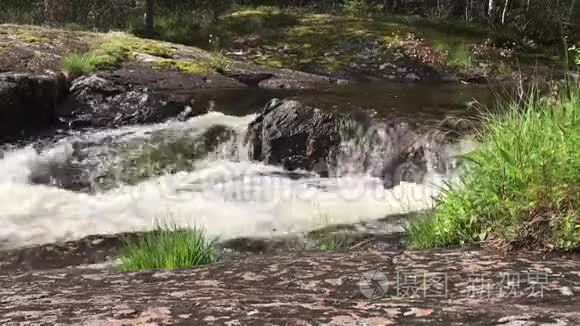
x=521 y=188
x=168 y=247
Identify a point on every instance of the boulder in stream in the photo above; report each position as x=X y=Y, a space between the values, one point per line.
x=298 y=136
x=28 y=101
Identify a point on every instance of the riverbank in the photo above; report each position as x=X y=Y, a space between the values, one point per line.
x=520 y=188
x=375 y=288
x=398 y=48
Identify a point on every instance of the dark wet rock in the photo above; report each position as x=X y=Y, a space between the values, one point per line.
x=419 y=287
x=137 y=94
x=87 y=165
x=297 y=136
x=28 y=101
x=272 y=78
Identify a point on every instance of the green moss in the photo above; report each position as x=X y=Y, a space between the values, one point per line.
x=120 y=45
x=310 y=40
x=152 y=48
x=307 y=41
x=274 y=63
x=31 y=38
x=111 y=50
x=190 y=67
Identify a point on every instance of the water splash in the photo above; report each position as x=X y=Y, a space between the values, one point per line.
x=223 y=192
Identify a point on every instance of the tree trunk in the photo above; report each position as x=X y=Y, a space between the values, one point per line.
x=491 y=8
x=149 y=17
x=47 y=12
x=468 y=9
x=505 y=8
x=571 y=12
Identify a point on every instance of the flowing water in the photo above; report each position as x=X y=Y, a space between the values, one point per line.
x=214 y=185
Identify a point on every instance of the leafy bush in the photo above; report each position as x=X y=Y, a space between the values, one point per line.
x=168 y=247
x=521 y=188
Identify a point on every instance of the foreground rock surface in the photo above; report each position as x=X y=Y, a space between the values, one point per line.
x=435 y=287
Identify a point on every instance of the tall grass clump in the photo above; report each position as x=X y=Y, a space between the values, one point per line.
x=521 y=188
x=77 y=64
x=86 y=63
x=168 y=247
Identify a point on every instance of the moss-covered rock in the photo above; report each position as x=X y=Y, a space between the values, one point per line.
x=184 y=66
x=30 y=38
x=399 y=48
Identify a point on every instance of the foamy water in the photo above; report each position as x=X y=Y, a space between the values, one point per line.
x=228 y=196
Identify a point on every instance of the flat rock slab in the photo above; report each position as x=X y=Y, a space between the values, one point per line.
x=350 y=288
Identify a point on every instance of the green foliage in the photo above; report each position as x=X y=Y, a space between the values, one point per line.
x=168 y=247
x=360 y=8
x=522 y=187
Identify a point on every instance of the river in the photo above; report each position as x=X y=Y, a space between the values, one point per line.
x=216 y=187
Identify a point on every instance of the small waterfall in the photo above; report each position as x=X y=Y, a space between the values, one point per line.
x=193 y=172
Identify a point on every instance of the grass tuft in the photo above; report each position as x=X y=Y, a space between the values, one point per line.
x=331 y=243
x=83 y=64
x=521 y=189
x=168 y=247
x=77 y=64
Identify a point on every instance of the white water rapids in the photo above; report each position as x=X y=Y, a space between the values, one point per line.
x=228 y=195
